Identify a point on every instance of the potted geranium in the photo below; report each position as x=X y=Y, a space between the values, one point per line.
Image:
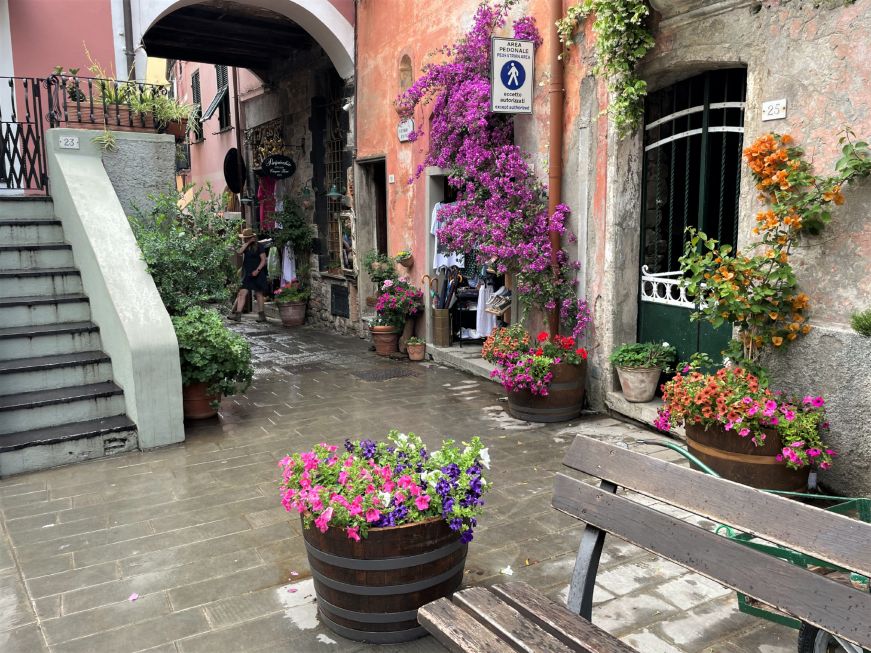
x=292 y=299
x=398 y=302
x=745 y=432
x=405 y=258
x=215 y=361
x=380 y=268
x=639 y=366
x=385 y=515
x=545 y=381
x=416 y=348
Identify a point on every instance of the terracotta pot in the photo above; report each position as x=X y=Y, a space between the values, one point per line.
x=197 y=401
x=738 y=459
x=292 y=313
x=407 y=332
x=370 y=590
x=564 y=401
x=416 y=352
x=115 y=118
x=177 y=128
x=406 y=262
x=386 y=339
x=639 y=383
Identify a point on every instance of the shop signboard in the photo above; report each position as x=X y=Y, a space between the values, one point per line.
x=404 y=130
x=512 y=75
x=278 y=166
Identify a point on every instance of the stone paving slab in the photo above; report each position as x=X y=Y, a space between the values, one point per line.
x=197 y=532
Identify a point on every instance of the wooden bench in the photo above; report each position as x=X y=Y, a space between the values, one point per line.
x=515 y=617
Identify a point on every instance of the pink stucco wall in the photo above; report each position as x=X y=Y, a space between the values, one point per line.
x=346 y=8
x=207 y=156
x=49 y=33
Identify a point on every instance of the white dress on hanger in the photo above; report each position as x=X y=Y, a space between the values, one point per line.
x=484 y=322
x=288 y=265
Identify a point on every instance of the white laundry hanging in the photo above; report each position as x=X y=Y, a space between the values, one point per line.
x=288 y=265
x=484 y=322
x=441 y=257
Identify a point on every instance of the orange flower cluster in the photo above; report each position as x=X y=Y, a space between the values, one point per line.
x=504 y=341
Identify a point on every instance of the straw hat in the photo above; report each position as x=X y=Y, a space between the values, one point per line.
x=247 y=233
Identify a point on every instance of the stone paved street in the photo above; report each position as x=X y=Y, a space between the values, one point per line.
x=197 y=531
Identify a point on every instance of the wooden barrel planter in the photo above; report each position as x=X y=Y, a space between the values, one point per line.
x=370 y=591
x=385 y=339
x=738 y=459
x=564 y=401
x=197 y=402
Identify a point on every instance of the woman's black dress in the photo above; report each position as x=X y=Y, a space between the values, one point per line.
x=250 y=263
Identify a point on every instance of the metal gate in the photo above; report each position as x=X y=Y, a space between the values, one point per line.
x=693 y=137
x=22 y=153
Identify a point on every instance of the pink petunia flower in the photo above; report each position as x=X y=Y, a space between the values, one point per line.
x=372 y=515
x=353 y=533
x=422 y=502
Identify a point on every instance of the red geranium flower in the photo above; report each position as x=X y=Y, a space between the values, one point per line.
x=539 y=351
x=581 y=352
x=542 y=336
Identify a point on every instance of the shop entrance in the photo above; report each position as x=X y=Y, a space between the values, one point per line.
x=693 y=138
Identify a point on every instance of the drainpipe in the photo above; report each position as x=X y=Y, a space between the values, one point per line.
x=555 y=145
x=128 y=40
x=238 y=120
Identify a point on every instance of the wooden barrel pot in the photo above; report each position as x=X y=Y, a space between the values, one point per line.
x=197 y=402
x=564 y=401
x=370 y=591
x=738 y=459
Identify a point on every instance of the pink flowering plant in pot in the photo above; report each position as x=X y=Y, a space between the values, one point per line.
x=369 y=484
x=398 y=302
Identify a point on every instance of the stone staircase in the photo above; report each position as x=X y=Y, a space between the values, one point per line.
x=58 y=402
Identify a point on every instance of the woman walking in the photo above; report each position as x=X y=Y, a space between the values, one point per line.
x=253 y=277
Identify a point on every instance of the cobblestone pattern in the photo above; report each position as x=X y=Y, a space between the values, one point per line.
x=197 y=532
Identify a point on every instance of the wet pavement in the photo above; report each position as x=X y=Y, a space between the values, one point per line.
x=187 y=549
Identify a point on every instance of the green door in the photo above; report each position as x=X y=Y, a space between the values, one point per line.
x=693 y=137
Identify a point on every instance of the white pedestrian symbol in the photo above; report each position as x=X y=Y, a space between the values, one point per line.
x=512 y=76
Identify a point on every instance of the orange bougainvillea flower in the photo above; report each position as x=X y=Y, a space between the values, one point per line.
x=776 y=341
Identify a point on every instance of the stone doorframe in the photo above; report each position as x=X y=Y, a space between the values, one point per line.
x=615 y=305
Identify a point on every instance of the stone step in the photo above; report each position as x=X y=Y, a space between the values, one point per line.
x=41 y=310
x=40 y=281
x=47 y=408
x=48 y=339
x=30 y=230
x=36 y=255
x=19 y=207
x=50 y=372
x=26 y=451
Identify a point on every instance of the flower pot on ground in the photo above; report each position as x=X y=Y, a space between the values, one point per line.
x=416 y=349
x=198 y=402
x=212 y=356
x=545 y=381
x=292 y=299
x=394 y=516
x=639 y=366
x=385 y=337
x=745 y=432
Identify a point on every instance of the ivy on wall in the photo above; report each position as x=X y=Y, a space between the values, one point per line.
x=622 y=40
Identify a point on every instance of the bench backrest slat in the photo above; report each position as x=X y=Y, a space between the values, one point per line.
x=837 y=539
x=813 y=598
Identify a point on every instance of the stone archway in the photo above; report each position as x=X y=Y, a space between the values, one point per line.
x=321 y=19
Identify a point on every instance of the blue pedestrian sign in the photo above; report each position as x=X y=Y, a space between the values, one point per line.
x=511 y=76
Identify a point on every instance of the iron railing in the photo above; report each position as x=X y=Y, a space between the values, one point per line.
x=28 y=103
x=22 y=154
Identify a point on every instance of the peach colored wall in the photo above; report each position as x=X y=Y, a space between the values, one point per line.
x=49 y=33
x=207 y=157
x=389 y=29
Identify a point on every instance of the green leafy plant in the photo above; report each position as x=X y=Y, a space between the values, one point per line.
x=861 y=322
x=211 y=353
x=622 y=40
x=167 y=109
x=292 y=292
x=414 y=340
x=757 y=290
x=379 y=267
x=295 y=231
x=106 y=140
x=187 y=248
x=644 y=355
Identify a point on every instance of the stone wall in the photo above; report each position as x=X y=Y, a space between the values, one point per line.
x=142 y=165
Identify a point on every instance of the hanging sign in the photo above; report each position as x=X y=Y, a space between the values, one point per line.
x=404 y=129
x=278 y=166
x=511 y=75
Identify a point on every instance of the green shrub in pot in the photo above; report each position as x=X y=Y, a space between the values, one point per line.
x=639 y=366
x=211 y=353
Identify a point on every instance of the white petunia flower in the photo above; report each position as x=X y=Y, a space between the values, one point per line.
x=485 y=458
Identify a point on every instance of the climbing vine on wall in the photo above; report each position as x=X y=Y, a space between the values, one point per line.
x=622 y=40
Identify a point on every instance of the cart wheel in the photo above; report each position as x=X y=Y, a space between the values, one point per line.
x=813 y=640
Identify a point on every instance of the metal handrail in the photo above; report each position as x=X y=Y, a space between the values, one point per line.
x=97 y=100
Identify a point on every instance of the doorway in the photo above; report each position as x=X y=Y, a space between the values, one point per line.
x=693 y=140
x=373 y=200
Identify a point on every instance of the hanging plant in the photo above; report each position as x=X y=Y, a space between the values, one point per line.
x=622 y=40
x=757 y=290
x=501 y=208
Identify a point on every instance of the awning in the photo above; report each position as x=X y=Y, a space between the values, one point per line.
x=219 y=96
